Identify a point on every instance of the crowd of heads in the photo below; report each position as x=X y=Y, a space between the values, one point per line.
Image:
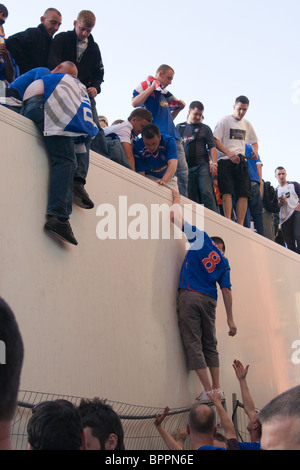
x=93 y=424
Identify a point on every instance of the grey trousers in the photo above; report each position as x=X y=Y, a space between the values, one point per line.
x=196 y=316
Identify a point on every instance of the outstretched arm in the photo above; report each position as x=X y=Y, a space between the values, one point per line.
x=175 y=210
x=168 y=439
x=226 y=422
x=241 y=373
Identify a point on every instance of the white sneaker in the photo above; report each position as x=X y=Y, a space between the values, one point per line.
x=221 y=394
x=204 y=398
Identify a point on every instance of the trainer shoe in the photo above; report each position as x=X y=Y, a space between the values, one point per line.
x=221 y=394
x=81 y=197
x=204 y=398
x=61 y=229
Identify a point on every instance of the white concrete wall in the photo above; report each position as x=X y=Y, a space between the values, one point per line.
x=100 y=318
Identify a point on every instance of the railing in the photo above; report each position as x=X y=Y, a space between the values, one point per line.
x=137 y=421
x=240 y=419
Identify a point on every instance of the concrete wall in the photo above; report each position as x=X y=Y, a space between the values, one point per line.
x=100 y=318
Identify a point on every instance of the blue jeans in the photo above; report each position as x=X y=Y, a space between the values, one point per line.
x=255 y=206
x=66 y=164
x=116 y=152
x=182 y=172
x=200 y=187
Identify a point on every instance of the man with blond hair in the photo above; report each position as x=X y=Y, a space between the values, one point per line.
x=79 y=47
x=30 y=48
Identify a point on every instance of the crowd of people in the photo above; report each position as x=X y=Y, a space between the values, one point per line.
x=94 y=425
x=53 y=79
x=220 y=169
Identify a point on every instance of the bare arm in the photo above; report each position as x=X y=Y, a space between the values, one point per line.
x=226 y=422
x=255 y=151
x=175 y=210
x=227 y=298
x=177 y=111
x=213 y=164
x=241 y=373
x=259 y=172
x=140 y=99
x=127 y=147
x=172 y=167
x=168 y=439
x=231 y=155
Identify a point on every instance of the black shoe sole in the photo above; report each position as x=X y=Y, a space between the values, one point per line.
x=58 y=235
x=80 y=202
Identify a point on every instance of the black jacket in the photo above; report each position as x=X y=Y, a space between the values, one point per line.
x=30 y=48
x=90 y=67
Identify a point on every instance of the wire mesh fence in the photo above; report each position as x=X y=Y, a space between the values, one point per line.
x=240 y=420
x=138 y=421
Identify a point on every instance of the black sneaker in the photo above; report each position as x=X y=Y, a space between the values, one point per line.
x=62 y=229
x=81 y=197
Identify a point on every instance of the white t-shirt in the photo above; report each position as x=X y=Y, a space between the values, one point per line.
x=234 y=134
x=291 y=198
x=122 y=130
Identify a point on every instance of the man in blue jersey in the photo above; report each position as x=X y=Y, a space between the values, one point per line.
x=152 y=94
x=59 y=105
x=156 y=156
x=204 y=266
x=13 y=97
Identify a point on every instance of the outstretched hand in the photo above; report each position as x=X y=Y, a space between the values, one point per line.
x=160 y=417
x=240 y=370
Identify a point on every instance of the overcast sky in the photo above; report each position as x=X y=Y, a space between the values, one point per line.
x=218 y=49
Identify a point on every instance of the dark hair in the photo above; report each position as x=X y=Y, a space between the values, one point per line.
x=196 y=104
x=55 y=425
x=279 y=168
x=287 y=404
x=141 y=113
x=3 y=10
x=10 y=370
x=103 y=421
x=242 y=99
x=201 y=424
x=219 y=241
x=150 y=131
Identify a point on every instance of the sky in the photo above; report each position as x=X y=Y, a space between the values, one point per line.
x=218 y=49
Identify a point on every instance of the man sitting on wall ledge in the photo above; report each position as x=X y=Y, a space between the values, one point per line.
x=59 y=105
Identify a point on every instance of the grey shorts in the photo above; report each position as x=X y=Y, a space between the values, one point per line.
x=197 y=316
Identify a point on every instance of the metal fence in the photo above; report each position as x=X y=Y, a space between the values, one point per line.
x=138 y=421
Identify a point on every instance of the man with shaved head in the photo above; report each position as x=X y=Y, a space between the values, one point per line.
x=201 y=428
x=280 y=420
x=30 y=48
